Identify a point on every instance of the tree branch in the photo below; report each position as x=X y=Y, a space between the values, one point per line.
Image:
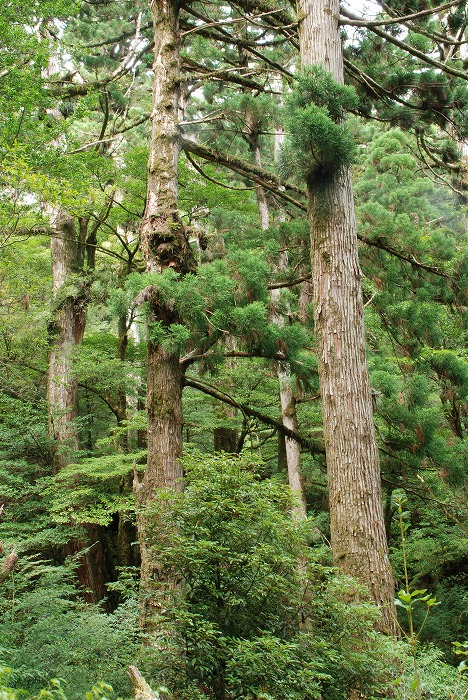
x=354 y=21
x=415 y=52
x=290 y=283
x=230 y=75
x=378 y=243
x=262 y=177
x=314 y=447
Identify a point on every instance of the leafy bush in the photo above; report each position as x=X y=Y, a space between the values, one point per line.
x=53 y=690
x=256 y=612
x=47 y=632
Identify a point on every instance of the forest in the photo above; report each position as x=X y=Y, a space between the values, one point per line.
x=233 y=350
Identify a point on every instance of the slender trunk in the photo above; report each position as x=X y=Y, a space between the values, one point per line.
x=225 y=437
x=127 y=553
x=357 y=522
x=288 y=406
x=164 y=245
x=121 y=395
x=287 y=395
x=293 y=449
x=289 y=418
x=254 y=147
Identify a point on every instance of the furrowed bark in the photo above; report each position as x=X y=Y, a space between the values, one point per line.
x=65 y=337
x=164 y=245
x=357 y=523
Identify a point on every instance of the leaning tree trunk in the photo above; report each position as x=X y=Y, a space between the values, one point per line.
x=357 y=523
x=164 y=245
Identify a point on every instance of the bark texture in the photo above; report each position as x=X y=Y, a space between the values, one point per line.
x=163 y=239
x=140 y=688
x=8 y=565
x=164 y=244
x=357 y=523
x=65 y=335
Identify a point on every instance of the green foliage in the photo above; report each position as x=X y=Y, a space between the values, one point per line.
x=53 y=691
x=226 y=296
x=247 y=615
x=25 y=466
x=420 y=96
x=271 y=667
x=316 y=85
x=417 y=331
x=319 y=140
x=425 y=677
x=257 y=612
x=92 y=491
x=437 y=680
x=171 y=338
x=47 y=632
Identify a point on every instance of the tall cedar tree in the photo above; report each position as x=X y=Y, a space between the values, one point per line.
x=165 y=246
x=357 y=522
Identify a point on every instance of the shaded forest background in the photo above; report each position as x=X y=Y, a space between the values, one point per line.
x=227 y=588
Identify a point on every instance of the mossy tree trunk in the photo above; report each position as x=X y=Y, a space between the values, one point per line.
x=164 y=244
x=68 y=244
x=65 y=336
x=357 y=522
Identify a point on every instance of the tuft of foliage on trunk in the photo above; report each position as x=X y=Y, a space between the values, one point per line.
x=320 y=142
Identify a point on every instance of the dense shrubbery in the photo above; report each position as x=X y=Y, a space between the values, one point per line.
x=47 y=631
x=257 y=611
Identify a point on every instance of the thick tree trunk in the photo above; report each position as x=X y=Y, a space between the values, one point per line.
x=65 y=336
x=164 y=407
x=357 y=523
x=164 y=245
x=225 y=437
x=163 y=239
x=225 y=440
